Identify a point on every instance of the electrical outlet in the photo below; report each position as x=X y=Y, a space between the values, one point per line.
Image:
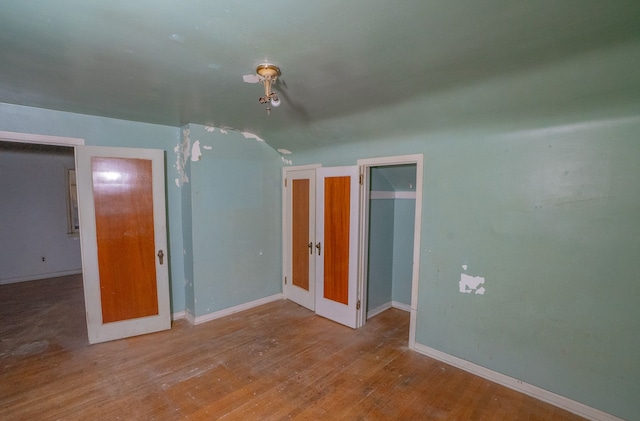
x=44 y=259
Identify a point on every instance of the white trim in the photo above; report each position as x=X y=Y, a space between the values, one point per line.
x=406 y=195
x=382 y=195
x=40 y=138
x=518 y=385
x=190 y=317
x=417 y=159
x=179 y=315
x=391 y=160
x=40 y=276
x=386 y=306
x=231 y=310
x=401 y=306
x=379 y=194
x=301 y=167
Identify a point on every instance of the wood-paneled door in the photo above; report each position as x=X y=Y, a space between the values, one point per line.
x=123 y=241
x=299 y=223
x=336 y=248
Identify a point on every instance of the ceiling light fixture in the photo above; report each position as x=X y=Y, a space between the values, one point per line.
x=268 y=74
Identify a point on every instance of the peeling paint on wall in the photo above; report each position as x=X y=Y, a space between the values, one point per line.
x=248 y=135
x=469 y=284
x=182 y=150
x=251 y=78
x=177 y=37
x=286 y=161
x=207 y=147
x=284 y=151
x=195 y=151
x=210 y=129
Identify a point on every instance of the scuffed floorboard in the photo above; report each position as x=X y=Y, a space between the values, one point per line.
x=277 y=361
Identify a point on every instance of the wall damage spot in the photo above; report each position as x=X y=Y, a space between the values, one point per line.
x=195 y=151
x=286 y=161
x=210 y=129
x=182 y=150
x=207 y=147
x=248 y=135
x=284 y=151
x=177 y=37
x=469 y=284
x=251 y=78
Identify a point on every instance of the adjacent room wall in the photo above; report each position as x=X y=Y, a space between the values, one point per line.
x=101 y=131
x=33 y=214
x=404 y=215
x=380 y=270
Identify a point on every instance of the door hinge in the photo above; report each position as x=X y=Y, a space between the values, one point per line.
x=361 y=179
x=358 y=304
x=285 y=182
x=285 y=280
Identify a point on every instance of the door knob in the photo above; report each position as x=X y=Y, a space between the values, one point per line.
x=161 y=256
x=318 y=246
x=310 y=245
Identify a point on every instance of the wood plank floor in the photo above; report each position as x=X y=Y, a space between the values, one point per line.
x=275 y=362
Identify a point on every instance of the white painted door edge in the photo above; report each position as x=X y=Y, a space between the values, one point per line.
x=363 y=165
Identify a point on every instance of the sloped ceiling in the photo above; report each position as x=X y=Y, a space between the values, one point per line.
x=174 y=62
x=394 y=178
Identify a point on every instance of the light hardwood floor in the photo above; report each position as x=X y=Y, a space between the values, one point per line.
x=277 y=361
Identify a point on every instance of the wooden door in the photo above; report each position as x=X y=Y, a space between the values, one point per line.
x=123 y=239
x=337 y=197
x=300 y=232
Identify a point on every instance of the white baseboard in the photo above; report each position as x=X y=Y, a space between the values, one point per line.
x=40 y=276
x=190 y=317
x=387 y=306
x=378 y=310
x=518 y=385
x=231 y=310
x=401 y=306
x=179 y=315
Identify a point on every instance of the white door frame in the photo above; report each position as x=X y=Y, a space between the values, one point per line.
x=364 y=165
x=286 y=245
x=40 y=139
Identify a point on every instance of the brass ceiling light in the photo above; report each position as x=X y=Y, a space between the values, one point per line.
x=268 y=74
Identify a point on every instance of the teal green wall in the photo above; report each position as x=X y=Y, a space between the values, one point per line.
x=182 y=161
x=534 y=188
x=404 y=215
x=380 y=270
x=236 y=203
x=99 y=131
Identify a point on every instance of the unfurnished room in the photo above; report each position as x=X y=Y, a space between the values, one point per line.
x=339 y=210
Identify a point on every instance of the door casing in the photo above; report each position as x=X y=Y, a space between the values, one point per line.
x=364 y=167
